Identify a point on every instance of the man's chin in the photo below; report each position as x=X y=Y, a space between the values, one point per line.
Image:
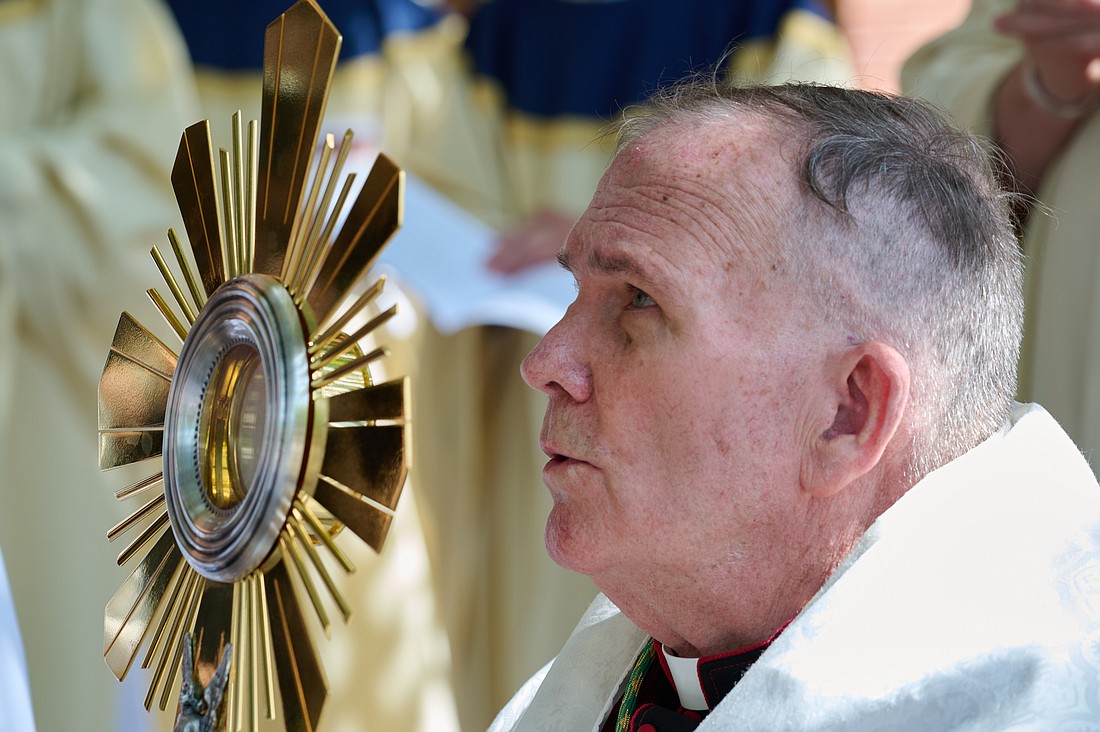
x=564 y=546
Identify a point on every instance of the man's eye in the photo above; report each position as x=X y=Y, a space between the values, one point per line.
x=641 y=300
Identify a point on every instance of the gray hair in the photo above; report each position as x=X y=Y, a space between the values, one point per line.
x=921 y=252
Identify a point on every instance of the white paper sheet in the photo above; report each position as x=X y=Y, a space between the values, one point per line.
x=440 y=254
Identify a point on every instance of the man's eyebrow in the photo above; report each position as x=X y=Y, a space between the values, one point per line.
x=604 y=263
x=563 y=260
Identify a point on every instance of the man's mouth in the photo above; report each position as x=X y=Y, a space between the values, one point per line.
x=562 y=459
x=554 y=452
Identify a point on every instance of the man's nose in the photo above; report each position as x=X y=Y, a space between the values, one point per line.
x=556 y=365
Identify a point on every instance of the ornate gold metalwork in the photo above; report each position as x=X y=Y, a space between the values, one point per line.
x=270 y=431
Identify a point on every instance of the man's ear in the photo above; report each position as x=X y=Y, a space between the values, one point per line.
x=866 y=392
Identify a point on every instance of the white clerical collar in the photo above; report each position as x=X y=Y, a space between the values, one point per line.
x=685 y=678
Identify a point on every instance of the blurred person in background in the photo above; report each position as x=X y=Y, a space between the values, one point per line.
x=552 y=74
x=1027 y=75
x=95 y=96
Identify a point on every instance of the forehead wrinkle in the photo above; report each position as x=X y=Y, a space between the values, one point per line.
x=701 y=212
x=638 y=229
x=730 y=214
x=735 y=191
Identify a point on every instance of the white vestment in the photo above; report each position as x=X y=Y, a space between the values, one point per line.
x=973 y=603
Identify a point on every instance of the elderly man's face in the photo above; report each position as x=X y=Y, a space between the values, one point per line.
x=674 y=426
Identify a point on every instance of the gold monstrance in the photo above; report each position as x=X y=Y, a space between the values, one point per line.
x=271 y=432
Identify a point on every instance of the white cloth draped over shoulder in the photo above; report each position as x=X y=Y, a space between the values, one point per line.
x=972 y=603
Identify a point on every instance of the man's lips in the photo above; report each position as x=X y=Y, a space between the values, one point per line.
x=560 y=456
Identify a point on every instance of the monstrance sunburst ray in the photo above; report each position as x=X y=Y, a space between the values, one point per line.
x=271 y=433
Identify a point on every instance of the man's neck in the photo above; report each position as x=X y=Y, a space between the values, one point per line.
x=706 y=610
x=716 y=625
